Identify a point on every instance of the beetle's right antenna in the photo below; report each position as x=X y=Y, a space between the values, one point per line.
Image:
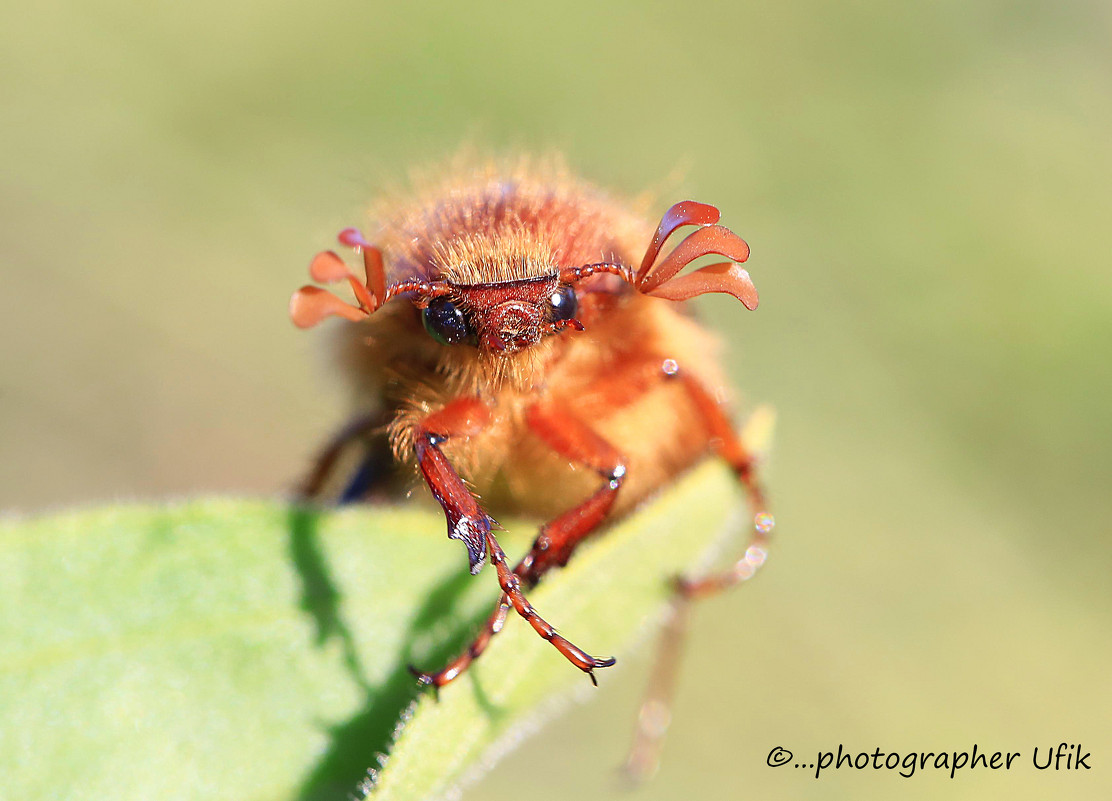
x=310 y=305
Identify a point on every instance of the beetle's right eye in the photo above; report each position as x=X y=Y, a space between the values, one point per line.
x=445 y=322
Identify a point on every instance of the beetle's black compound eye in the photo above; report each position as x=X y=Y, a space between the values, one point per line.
x=563 y=304
x=445 y=322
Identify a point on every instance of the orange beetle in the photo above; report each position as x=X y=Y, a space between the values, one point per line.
x=515 y=327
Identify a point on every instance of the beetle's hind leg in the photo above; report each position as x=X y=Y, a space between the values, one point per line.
x=558 y=539
x=729 y=445
x=373 y=470
x=655 y=713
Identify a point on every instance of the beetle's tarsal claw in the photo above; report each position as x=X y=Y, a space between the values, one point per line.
x=599 y=663
x=425 y=680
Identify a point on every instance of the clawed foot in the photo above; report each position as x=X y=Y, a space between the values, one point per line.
x=599 y=663
x=425 y=680
x=438 y=680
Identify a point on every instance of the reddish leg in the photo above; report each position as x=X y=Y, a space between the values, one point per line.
x=725 y=440
x=557 y=540
x=457 y=666
x=325 y=462
x=656 y=707
x=511 y=587
x=467 y=521
x=574 y=440
x=655 y=714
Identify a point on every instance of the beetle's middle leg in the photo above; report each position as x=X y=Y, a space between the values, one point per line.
x=577 y=442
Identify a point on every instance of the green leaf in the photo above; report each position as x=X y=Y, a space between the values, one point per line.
x=245 y=650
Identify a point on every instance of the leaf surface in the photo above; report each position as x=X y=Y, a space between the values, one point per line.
x=231 y=649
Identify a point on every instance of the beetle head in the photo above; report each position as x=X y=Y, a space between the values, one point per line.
x=509 y=316
x=523 y=304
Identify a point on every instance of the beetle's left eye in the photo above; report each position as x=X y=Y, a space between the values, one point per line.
x=563 y=304
x=445 y=322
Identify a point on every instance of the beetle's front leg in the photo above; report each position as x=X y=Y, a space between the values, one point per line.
x=467 y=521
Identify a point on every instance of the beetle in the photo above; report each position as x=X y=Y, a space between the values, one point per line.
x=524 y=330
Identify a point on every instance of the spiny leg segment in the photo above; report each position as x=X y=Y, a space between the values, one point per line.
x=467 y=521
x=568 y=436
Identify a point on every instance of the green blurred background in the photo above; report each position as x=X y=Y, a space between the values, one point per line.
x=926 y=189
